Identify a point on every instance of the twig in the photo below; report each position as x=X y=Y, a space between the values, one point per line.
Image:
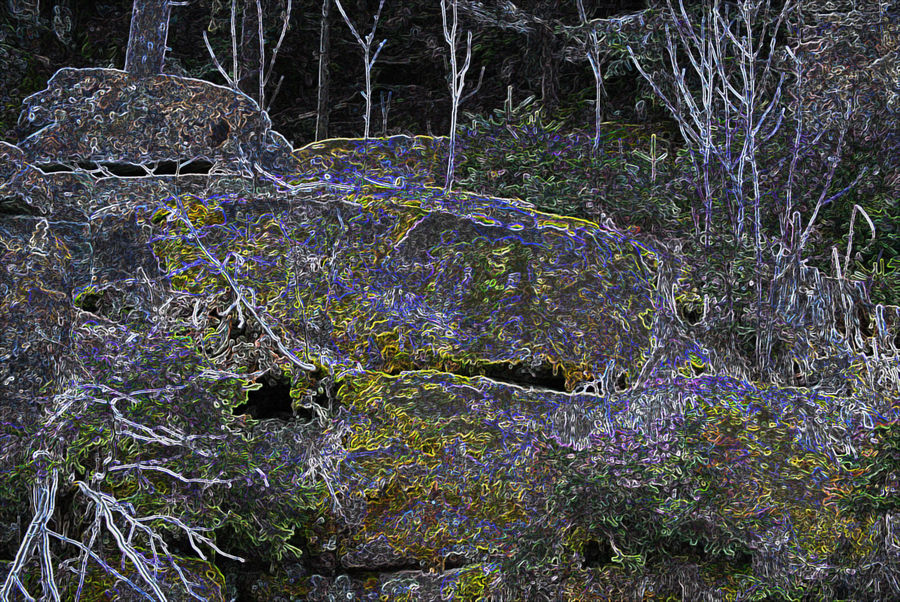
x=456 y=83
x=183 y=215
x=43 y=494
x=212 y=55
x=366 y=45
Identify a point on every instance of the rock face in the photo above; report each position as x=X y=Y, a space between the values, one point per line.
x=367 y=388
x=393 y=283
x=105 y=116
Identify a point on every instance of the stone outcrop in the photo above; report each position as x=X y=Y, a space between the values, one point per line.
x=391 y=283
x=368 y=388
x=106 y=116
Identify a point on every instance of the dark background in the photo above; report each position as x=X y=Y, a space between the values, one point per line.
x=412 y=65
x=533 y=47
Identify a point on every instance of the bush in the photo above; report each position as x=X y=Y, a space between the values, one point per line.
x=534 y=159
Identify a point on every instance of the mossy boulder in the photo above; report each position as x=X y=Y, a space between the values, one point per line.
x=105 y=116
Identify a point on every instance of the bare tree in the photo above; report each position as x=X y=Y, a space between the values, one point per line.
x=728 y=102
x=111 y=516
x=147 y=37
x=731 y=106
x=262 y=73
x=457 y=81
x=725 y=122
x=385 y=109
x=366 y=45
x=593 y=56
x=322 y=109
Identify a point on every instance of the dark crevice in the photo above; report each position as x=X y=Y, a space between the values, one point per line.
x=542 y=377
x=322 y=392
x=692 y=313
x=193 y=167
x=54 y=168
x=742 y=560
x=323 y=563
x=220 y=132
x=240 y=577
x=89 y=302
x=622 y=381
x=365 y=571
x=842 y=590
x=454 y=561
x=298 y=540
x=122 y=170
x=16 y=206
x=166 y=168
x=65 y=508
x=132 y=170
x=323 y=396
x=271 y=400
x=596 y=553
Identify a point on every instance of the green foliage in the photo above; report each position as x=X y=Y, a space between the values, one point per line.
x=13 y=483
x=473 y=584
x=876 y=484
x=711 y=489
x=532 y=158
x=883 y=278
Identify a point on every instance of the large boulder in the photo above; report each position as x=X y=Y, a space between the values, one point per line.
x=105 y=116
x=539 y=493
x=396 y=280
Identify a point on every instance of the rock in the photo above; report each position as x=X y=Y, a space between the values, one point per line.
x=470 y=286
x=441 y=377
x=23 y=190
x=105 y=116
x=464 y=472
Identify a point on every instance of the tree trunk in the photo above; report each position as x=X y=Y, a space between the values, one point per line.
x=549 y=70
x=147 y=38
x=322 y=108
x=250 y=51
x=548 y=50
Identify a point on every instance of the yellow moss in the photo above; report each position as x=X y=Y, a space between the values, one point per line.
x=473 y=583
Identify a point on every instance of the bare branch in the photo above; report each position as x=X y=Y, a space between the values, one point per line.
x=235 y=73
x=262 y=56
x=183 y=215
x=284 y=28
x=43 y=494
x=850 y=241
x=456 y=83
x=212 y=55
x=366 y=45
x=475 y=89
